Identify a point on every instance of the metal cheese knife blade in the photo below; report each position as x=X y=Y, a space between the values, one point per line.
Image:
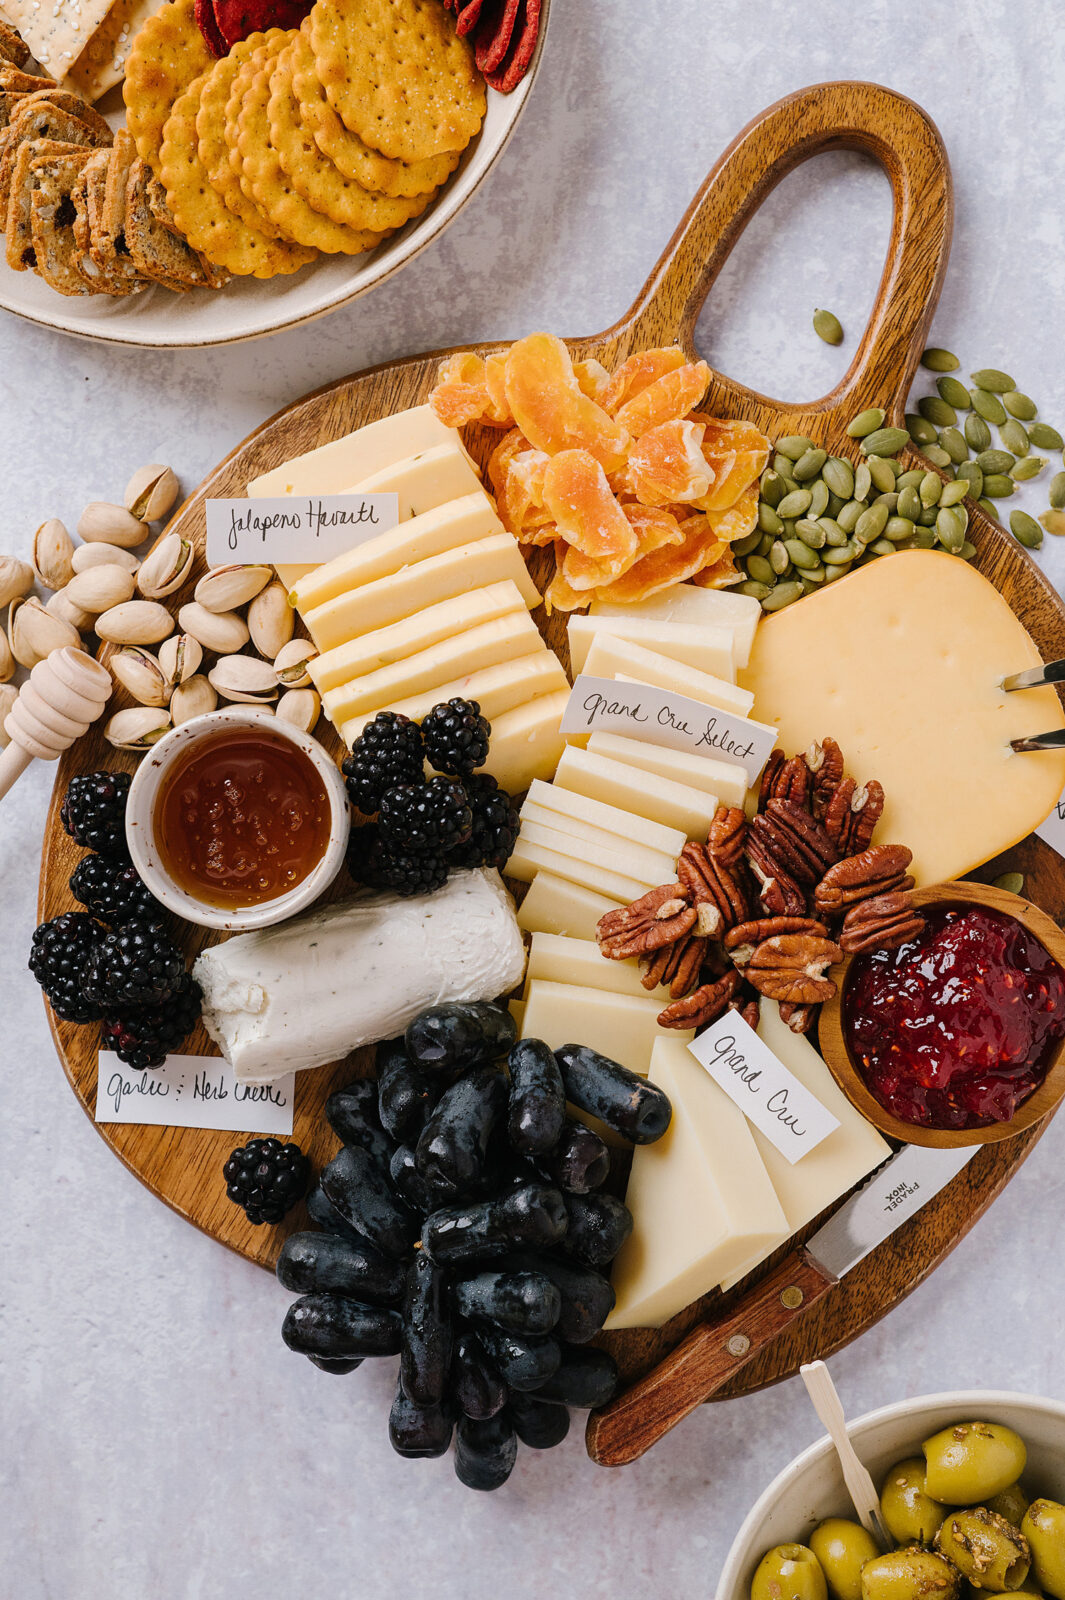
x=715 y=1351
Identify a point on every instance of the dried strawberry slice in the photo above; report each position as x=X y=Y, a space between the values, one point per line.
x=493 y=37
x=208 y=26
x=522 y=53
x=468 y=14
x=238 y=18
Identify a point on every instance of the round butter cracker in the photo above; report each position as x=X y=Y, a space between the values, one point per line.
x=213 y=150
x=398 y=75
x=166 y=55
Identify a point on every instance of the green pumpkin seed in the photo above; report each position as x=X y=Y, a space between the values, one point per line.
x=937 y=455
x=832 y=573
x=828 y=327
x=954 y=493
x=819 y=497
x=757 y=591
x=989 y=508
x=801 y=554
x=931 y=489
x=778 y=558
x=920 y=431
x=898 y=528
x=871 y=524
x=841 y=553
x=768 y=521
x=885 y=442
x=833 y=506
x=1054 y=522
x=866 y=422
x=991 y=378
x=881 y=547
x=890 y=500
x=909 y=502
x=967 y=551
x=782 y=596
x=794 y=445
x=1020 y=405
x=924 y=539
x=809 y=464
x=794 y=505
x=972 y=473
x=952 y=440
x=1011 y=882
x=760 y=569
x=998 y=485
x=811 y=533
x=838 y=474
x=1029 y=467
x=847 y=516
x=951 y=527
x=988 y=406
x=882 y=473
x=782 y=466
x=863 y=481
x=954 y=393
x=977 y=432
x=927 y=518
x=1026 y=530
x=1014 y=436
x=1056 y=492
x=764 y=545
x=749 y=542
x=772 y=488
x=812 y=578
x=935 y=409
x=1044 y=437
x=995 y=460
x=911 y=479
x=936 y=359
x=835 y=536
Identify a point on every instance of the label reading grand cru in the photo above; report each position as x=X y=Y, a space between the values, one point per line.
x=295 y=529
x=610 y=705
x=769 y=1095
x=192 y=1092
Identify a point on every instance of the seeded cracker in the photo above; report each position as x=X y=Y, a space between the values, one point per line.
x=102 y=63
x=167 y=54
x=213 y=150
x=398 y=75
x=56 y=34
x=52 y=219
x=13 y=47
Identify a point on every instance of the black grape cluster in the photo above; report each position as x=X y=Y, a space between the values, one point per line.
x=465 y=1230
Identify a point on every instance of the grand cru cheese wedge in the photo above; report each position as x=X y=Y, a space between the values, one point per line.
x=620 y=1026
x=604 y=850
x=526 y=860
x=902 y=662
x=527 y=742
x=552 y=905
x=402 y=594
x=833 y=1167
x=724 y=778
x=382 y=646
x=483 y=646
x=675 y=805
x=424 y=481
x=700 y=1198
x=580 y=961
x=619 y=658
x=706 y=648
x=686 y=603
x=455 y=523
x=308 y=991
x=608 y=819
x=496 y=689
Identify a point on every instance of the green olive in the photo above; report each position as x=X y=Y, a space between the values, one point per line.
x=1044 y=1528
x=910 y=1514
x=986 y=1549
x=789 y=1572
x=910 y=1574
x=1012 y=1503
x=843 y=1548
x=967 y=1464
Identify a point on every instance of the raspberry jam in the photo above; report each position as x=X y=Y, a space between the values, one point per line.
x=957 y=1028
x=241 y=818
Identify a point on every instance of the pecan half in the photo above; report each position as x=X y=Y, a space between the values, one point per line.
x=710 y=883
x=852 y=815
x=878 y=870
x=703 y=1005
x=749 y=1010
x=792 y=966
x=800 y=1019
x=769 y=777
x=883 y=923
x=741 y=941
x=727 y=833
x=825 y=763
x=794 y=839
x=658 y=918
x=784 y=780
x=780 y=894
x=676 y=966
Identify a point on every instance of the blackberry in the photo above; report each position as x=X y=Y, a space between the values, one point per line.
x=456 y=737
x=143 y=1039
x=425 y=819
x=388 y=751
x=94 y=811
x=60 y=955
x=495 y=825
x=109 y=887
x=138 y=965
x=370 y=861
x=267 y=1178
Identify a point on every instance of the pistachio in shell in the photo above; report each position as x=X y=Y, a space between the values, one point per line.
x=34 y=632
x=151 y=492
x=224 y=632
x=180 y=657
x=229 y=588
x=193 y=698
x=290 y=664
x=102 y=554
x=8 y=696
x=166 y=567
x=7 y=660
x=299 y=707
x=243 y=679
x=139 y=671
x=61 y=605
x=100 y=588
x=135 y=622
x=113 y=524
x=53 y=551
x=16 y=579
x=137 y=728
x=271 y=621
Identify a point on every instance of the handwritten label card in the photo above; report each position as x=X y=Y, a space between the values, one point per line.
x=1052 y=831
x=296 y=529
x=612 y=705
x=768 y=1094
x=192 y=1092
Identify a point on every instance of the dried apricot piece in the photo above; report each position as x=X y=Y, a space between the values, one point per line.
x=638 y=372
x=521 y=500
x=511 y=444
x=666 y=400
x=578 y=496
x=737 y=521
x=654 y=527
x=561 y=596
x=666 y=464
x=460 y=395
x=583 y=574
x=737 y=453
x=495 y=382
x=720 y=573
x=669 y=565
x=549 y=407
x=593 y=379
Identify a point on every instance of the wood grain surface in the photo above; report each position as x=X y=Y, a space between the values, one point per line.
x=183 y=1167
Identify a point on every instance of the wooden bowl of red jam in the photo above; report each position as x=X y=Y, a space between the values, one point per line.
x=958 y=1037
x=236 y=820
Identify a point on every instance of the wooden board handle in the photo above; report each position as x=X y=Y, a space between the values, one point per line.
x=704 y=1361
x=854 y=116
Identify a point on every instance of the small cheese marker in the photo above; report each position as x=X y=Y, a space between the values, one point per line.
x=63 y=695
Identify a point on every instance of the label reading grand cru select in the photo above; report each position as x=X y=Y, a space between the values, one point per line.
x=192 y=1092
x=769 y=1095
x=610 y=705
x=295 y=529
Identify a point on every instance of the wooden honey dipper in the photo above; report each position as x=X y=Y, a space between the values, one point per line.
x=63 y=694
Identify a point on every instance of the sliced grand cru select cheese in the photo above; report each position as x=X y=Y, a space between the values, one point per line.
x=620 y=1026
x=700 y=1198
x=400 y=595
x=609 y=657
x=902 y=663
x=833 y=1167
x=457 y=522
x=554 y=906
x=598 y=849
x=527 y=742
x=526 y=860
x=483 y=646
x=687 y=603
x=424 y=481
x=580 y=961
x=727 y=780
x=608 y=819
x=496 y=690
x=370 y=651
x=675 y=805
x=706 y=648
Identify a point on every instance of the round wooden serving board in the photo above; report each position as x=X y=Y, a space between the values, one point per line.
x=183 y=1167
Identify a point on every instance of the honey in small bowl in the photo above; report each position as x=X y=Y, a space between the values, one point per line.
x=242 y=817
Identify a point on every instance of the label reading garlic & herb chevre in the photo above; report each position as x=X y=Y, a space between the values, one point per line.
x=192 y=1092
x=766 y=1091
x=296 y=529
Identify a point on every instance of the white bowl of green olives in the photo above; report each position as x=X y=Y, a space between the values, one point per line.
x=972 y=1492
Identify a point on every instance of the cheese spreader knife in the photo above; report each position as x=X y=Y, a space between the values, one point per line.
x=715 y=1351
